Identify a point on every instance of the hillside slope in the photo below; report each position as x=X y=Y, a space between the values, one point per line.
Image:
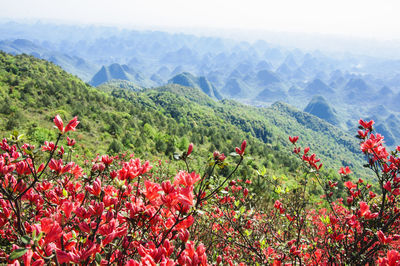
x=160 y=120
x=33 y=91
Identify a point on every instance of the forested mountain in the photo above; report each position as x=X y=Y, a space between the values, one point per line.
x=188 y=80
x=159 y=120
x=319 y=106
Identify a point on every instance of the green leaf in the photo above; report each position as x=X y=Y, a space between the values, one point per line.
x=15 y=133
x=17 y=253
x=65 y=193
x=19 y=159
x=25 y=239
x=98 y=258
x=39 y=236
x=263 y=171
x=20 y=137
x=325 y=219
x=263 y=243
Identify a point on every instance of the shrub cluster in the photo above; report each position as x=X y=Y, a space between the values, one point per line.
x=119 y=210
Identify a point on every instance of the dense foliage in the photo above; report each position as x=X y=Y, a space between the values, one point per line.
x=158 y=122
x=33 y=91
x=120 y=210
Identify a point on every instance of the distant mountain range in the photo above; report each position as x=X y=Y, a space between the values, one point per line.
x=258 y=73
x=319 y=107
x=120 y=72
x=188 y=80
x=70 y=62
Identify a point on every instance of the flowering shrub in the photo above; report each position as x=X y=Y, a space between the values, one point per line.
x=117 y=210
x=363 y=228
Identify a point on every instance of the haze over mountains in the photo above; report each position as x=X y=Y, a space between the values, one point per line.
x=337 y=88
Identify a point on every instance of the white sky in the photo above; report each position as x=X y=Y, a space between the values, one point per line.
x=358 y=18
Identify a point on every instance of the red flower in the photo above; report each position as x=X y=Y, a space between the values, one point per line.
x=278 y=205
x=107 y=160
x=382 y=238
x=184 y=235
x=350 y=185
x=22 y=168
x=366 y=125
x=70 y=142
x=345 y=171
x=70 y=126
x=219 y=156
x=58 y=167
x=152 y=190
x=54 y=232
x=63 y=257
x=48 y=146
x=219 y=259
x=245 y=192
x=349 y=200
x=363 y=134
x=95 y=189
x=364 y=208
x=185 y=179
x=294 y=139
x=59 y=123
x=372 y=194
x=393 y=257
x=388 y=186
x=242 y=148
x=190 y=149
x=396 y=192
x=133 y=169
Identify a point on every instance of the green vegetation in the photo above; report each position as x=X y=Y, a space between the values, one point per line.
x=160 y=121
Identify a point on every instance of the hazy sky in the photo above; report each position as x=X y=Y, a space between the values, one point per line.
x=358 y=18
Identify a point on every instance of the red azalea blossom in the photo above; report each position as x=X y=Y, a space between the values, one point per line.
x=345 y=171
x=70 y=126
x=190 y=149
x=366 y=125
x=121 y=211
x=294 y=139
x=242 y=148
x=350 y=185
x=70 y=142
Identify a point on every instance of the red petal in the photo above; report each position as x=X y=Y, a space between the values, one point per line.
x=59 y=123
x=72 y=124
x=243 y=146
x=190 y=149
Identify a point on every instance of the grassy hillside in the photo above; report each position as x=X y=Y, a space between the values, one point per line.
x=33 y=91
x=158 y=122
x=271 y=126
